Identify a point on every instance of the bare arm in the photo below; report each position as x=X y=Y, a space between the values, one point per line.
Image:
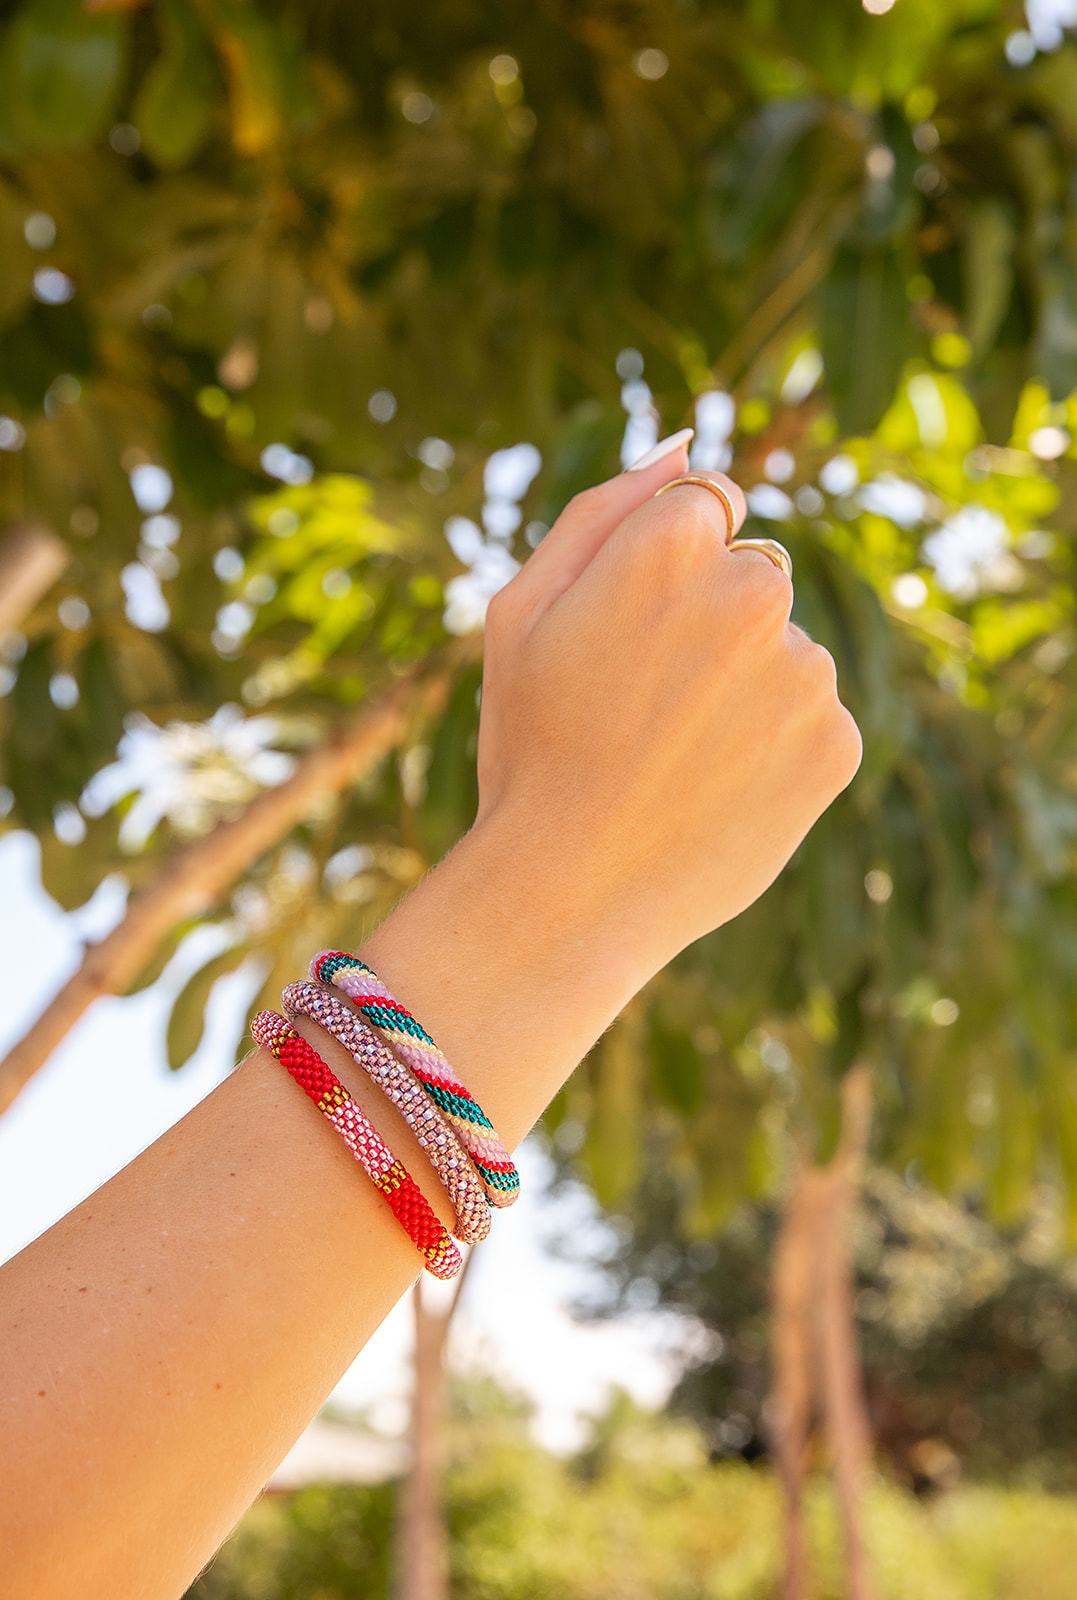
x=165 y=1343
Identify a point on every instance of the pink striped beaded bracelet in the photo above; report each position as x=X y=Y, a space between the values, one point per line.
x=383 y=1012
x=437 y=1138
x=388 y=1175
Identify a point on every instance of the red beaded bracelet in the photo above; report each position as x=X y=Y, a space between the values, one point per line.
x=402 y=1194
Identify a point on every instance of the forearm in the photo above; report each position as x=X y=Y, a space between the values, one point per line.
x=218 y=1287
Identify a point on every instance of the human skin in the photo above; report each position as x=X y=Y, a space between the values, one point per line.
x=655 y=740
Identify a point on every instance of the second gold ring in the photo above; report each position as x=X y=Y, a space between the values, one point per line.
x=771 y=549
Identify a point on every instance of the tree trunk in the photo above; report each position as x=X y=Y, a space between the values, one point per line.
x=421 y=1568
x=792 y=1401
x=31 y=560
x=204 y=870
x=816 y=1364
x=844 y=1407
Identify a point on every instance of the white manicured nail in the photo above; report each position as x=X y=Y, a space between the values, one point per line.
x=662 y=448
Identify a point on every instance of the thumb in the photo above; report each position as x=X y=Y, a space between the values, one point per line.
x=589 y=519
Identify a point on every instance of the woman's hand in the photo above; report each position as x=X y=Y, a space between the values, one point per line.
x=650 y=712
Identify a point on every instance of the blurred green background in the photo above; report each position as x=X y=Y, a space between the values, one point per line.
x=311 y=318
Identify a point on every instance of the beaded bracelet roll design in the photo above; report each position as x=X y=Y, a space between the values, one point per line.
x=388 y=1175
x=383 y=1012
x=449 y=1159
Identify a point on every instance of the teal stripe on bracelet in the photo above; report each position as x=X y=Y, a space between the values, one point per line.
x=415 y=1047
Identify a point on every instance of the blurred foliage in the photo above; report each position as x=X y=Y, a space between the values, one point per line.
x=368 y=252
x=968 y=1337
x=640 y=1515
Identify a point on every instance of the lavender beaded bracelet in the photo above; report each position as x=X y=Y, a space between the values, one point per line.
x=446 y=1154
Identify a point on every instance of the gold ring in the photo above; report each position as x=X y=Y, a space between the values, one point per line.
x=771 y=549
x=715 y=489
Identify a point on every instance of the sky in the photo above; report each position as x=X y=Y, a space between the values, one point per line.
x=107 y=1093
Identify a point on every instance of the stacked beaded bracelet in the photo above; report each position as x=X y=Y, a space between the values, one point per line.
x=447 y=1156
x=399 y=1055
x=402 y=1194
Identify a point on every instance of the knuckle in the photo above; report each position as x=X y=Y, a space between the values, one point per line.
x=585 y=502
x=845 y=745
x=685 y=538
x=767 y=594
x=819 y=672
x=501 y=609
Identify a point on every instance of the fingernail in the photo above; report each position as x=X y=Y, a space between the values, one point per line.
x=662 y=448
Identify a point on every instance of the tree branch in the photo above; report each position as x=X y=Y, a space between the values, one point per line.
x=31 y=560
x=204 y=870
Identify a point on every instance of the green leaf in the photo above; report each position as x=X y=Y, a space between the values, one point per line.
x=446 y=239
x=449 y=804
x=940 y=1119
x=46 y=341
x=18 y=258
x=1017 y=1130
x=829 y=871
x=679 y=1072
x=1056 y=338
x=32 y=736
x=861 y=55
x=525 y=235
x=175 y=104
x=1060 y=1096
x=69 y=874
x=264 y=70
x=905 y=918
x=61 y=71
x=865 y=333
x=102 y=704
x=187 y=1020
x=987 y=263
x=35 y=719
x=746 y=957
x=1048 y=818
x=583 y=452
x=161 y=956
x=891 y=207
x=728 y=1149
x=614 y=1148
x=758 y=179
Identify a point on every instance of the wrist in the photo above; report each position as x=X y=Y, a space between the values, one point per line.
x=513 y=959
x=555 y=905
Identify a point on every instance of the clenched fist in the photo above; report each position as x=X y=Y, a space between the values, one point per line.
x=650 y=713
